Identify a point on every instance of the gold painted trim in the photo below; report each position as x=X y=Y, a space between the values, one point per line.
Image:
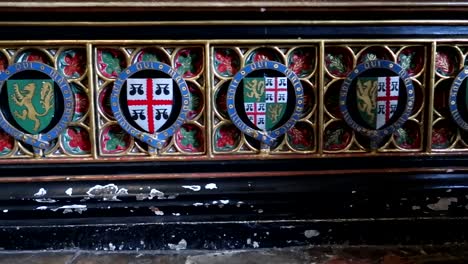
x=157 y=176
x=93 y=100
x=262 y=5
x=228 y=23
x=430 y=88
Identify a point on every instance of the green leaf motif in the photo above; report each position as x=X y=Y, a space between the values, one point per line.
x=149 y=57
x=116 y=141
x=185 y=64
x=194 y=103
x=112 y=63
x=189 y=138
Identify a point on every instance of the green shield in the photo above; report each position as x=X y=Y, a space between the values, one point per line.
x=366 y=97
x=31 y=103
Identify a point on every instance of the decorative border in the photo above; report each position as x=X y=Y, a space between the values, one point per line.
x=40 y=141
x=377 y=134
x=155 y=140
x=454 y=89
x=267 y=137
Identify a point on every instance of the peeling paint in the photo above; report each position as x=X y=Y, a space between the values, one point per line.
x=5 y=210
x=156 y=210
x=180 y=246
x=109 y=192
x=224 y=201
x=443 y=204
x=41 y=208
x=45 y=200
x=311 y=233
x=41 y=192
x=69 y=191
x=197 y=204
x=211 y=186
x=71 y=208
x=111 y=246
x=194 y=188
x=256 y=244
x=153 y=193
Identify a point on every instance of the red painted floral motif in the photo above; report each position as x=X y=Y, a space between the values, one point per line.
x=74 y=64
x=6 y=142
x=3 y=64
x=300 y=137
x=444 y=63
x=228 y=137
x=441 y=137
x=37 y=57
x=263 y=56
x=227 y=63
x=301 y=63
x=79 y=138
x=81 y=103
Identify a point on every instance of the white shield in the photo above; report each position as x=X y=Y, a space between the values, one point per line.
x=387 y=98
x=150 y=102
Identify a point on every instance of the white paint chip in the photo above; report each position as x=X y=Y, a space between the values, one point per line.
x=5 y=211
x=311 y=233
x=69 y=191
x=211 y=186
x=443 y=204
x=180 y=246
x=41 y=192
x=41 y=208
x=194 y=188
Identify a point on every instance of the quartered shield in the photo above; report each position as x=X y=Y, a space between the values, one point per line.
x=150 y=101
x=32 y=103
x=377 y=99
x=265 y=100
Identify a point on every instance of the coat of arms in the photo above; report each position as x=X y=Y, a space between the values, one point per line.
x=144 y=107
x=377 y=85
x=377 y=99
x=31 y=103
x=269 y=105
x=150 y=101
x=265 y=100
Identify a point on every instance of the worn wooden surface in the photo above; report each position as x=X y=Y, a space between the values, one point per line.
x=357 y=255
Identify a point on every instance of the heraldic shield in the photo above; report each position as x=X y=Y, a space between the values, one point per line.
x=150 y=101
x=265 y=100
x=31 y=103
x=377 y=99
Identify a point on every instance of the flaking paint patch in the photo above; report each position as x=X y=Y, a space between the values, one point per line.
x=180 y=246
x=211 y=186
x=108 y=192
x=79 y=208
x=41 y=208
x=311 y=233
x=194 y=188
x=197 y=204
x=41 y=192
x=69 y=191
x=45 y=200
x=443 y=204
x=153 y=193
x=156 y=210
